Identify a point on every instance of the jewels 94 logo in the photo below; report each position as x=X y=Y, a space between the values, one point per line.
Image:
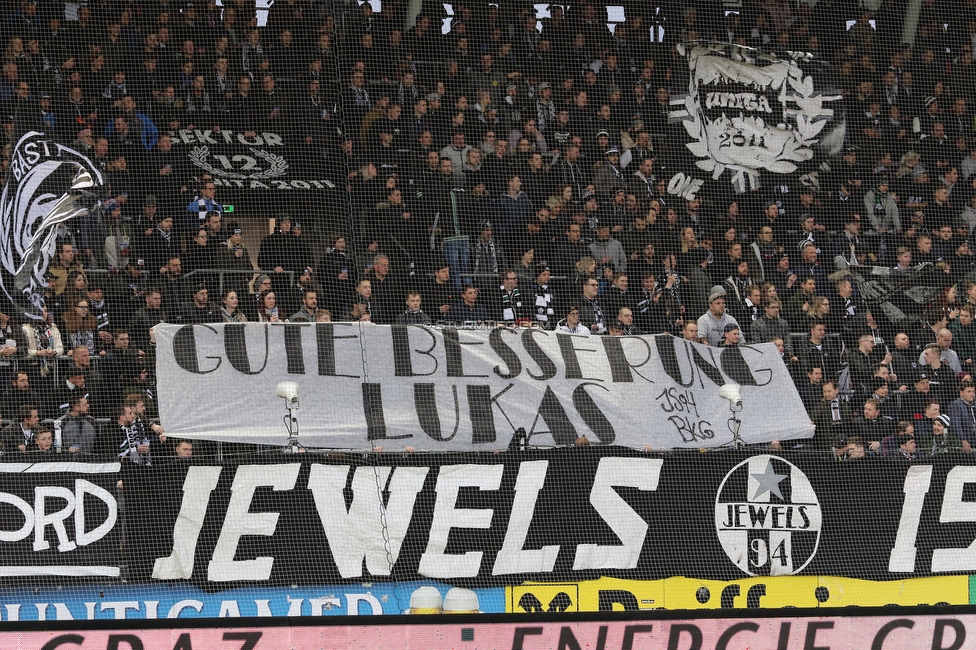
x=767 y=517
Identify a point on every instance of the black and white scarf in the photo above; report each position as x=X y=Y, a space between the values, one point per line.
x=191 y=105
x=545 y=113
x=407 y=95
x=44 y=336
x=752 y=309
x=575 y=177
x=246 y=56
x=649 y=182
x=134 y=436
x=48 y=66
x=115 y=90
x=222 y=86
x=511 y=305
x=100 y=312
x=485 y=257
x=167 y=235
x=362 y=97
x=514 y=112
x=598 y=316
x=544 y=310
x=204 y=206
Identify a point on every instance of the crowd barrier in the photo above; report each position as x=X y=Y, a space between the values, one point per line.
x=561 y=530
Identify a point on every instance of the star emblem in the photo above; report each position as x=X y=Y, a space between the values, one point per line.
x=769 y=481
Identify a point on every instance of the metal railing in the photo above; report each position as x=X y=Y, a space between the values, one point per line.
x=220 y=273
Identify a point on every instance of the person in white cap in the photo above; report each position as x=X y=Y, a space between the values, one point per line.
x=711 y=324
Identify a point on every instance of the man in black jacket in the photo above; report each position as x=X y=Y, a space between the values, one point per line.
x=873 y=427
x=862 y=363
x=904 y=362
x=413 y=315
x=18 y=435
x=440 y=292
x=570 y=250
x=847 y=314
x=821 y=351
x=833 y=418
x=277 y=252
x=157 y=248
x=145 y=319
x=811 y=391
x=198 y=309
x=568 y=171
x=468 y=309
x=17 y=395
x=591 y=312
x=508 y=306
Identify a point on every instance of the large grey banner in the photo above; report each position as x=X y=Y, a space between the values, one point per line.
x=362 y=385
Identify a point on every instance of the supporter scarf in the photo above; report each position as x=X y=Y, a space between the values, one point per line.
x=598 y=315
x=44 y=337
x=546 y=113
x=83 y=338
x=514 y=114
x=511 y=305
x=223 y=85
x=192 y=105
x=114 y=89
x=575 y=177
x=362 y=98
x=544 y=311
x=485 y=257
x=98 y=310
x=246 y=55
x=649 y=182
x=129 y=447
x=891 y=93
x=28 y=435
x=204 y=206
x=408 y=95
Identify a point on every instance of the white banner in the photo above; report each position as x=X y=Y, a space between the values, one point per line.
x=460 y=390
x=748 y=111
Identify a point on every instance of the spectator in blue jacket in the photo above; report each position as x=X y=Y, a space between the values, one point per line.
x=962 y=416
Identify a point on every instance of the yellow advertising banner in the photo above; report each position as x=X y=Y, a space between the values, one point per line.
x=748 y=593
x=603 y=595
x=844 y=592
x=612 y=594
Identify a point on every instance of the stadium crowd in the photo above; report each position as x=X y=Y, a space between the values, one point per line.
x=511 y=171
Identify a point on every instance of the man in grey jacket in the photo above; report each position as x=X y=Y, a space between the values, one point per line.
x=77 y=430
x=882 y=210
x=770 y=326
x=711 y=324
x=607 y=250
x=309 y=310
